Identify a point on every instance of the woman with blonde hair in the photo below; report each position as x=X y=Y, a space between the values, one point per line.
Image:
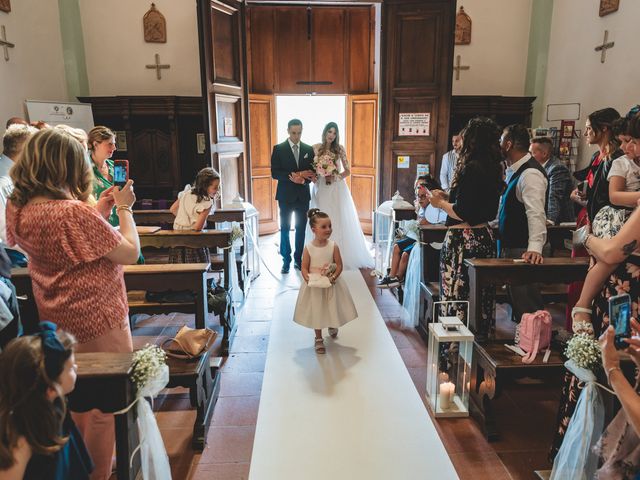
x=75 y=258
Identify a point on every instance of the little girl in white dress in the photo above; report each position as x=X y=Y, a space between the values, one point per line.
x=324 y=300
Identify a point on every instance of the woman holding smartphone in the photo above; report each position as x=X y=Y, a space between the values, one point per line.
x=102 y=145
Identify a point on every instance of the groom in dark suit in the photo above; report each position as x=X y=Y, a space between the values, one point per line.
x=291 y=166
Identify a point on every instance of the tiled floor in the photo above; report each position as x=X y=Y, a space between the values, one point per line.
x=526 y=421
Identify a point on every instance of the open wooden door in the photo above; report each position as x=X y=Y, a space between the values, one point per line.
x=223 y=72
x=262 y=121
x=362 y=149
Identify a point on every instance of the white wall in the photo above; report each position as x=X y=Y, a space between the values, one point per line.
x=35 y=69
x=498 y=50
x=575 y=73
x=116 y=52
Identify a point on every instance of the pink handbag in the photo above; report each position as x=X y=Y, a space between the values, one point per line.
x=535 y=334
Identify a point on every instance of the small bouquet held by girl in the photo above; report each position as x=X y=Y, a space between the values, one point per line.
x=324 y=300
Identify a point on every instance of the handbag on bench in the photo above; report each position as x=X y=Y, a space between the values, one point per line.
x=189 y=343
x=535 y=334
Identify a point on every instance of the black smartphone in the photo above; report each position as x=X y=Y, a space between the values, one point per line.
x=120 y=172
x=620 y=318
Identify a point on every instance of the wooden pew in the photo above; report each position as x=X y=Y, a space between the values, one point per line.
x=247 y=264
x=154 y=278
x=498 y=271
x=211 y=239
x=103 y=382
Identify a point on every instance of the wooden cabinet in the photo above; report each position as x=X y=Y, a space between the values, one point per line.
x=504 y=110
x=161 y=139
x=321 y=49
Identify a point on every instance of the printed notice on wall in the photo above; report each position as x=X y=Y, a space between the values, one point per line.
x=414 y=124
x=423 y=169
x=403 y=161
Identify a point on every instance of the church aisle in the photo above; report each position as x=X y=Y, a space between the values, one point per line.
x=352 y=413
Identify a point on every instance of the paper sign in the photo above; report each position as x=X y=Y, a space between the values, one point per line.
x=403 y=162
x=414 y=124
x=228 y=127
x=423 y=169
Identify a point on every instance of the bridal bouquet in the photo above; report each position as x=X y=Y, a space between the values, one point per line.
x=325 y=166
x=584 y=351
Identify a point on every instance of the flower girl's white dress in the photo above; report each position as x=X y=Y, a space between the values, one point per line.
x=323 y=307
x=335 y=200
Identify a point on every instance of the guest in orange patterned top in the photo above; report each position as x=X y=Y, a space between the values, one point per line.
x=76 y=258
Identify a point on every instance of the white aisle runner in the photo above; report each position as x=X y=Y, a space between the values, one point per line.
x=351 y=414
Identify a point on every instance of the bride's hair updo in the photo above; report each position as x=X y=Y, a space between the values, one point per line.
x=314 y=214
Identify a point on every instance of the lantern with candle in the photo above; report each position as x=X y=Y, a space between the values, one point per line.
x=449 y=361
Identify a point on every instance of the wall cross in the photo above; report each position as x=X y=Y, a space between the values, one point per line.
x=459 y=67
x=4 y=43
x=158 y=67
x=604 y=47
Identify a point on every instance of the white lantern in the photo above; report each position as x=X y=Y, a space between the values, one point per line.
x=384 y=231
x=449 y=356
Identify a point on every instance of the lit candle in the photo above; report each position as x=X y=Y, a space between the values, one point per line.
x=447 y=390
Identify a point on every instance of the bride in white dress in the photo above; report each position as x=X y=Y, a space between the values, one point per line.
x=331 y=195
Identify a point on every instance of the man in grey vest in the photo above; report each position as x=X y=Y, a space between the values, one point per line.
x=522 y=219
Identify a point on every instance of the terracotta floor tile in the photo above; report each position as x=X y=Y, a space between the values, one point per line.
x=240 y=384
x=177 y=441
x=236 y=411
x=521 y=465
x=462 y=435
x=244 y=363
x=220 y=471
x=228 y=445
x=419 y=377
x=479 y=466
x=173 y=418
x=250 y=343
x=414 y=357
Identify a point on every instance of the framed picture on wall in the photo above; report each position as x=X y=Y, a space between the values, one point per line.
x=566 y=128
x=608 y=6
x=121 y=140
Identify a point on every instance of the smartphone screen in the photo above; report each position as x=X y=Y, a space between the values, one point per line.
x=120 y=172
x=620 y=317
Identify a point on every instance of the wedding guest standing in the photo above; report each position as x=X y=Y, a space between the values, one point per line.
x=449 y=162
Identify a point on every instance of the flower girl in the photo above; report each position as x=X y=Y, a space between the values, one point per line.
x=324 y=300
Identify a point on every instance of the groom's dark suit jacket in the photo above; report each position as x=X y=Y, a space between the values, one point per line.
x=283 y=163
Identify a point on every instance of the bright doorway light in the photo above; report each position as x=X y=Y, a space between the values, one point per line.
x=315 y=111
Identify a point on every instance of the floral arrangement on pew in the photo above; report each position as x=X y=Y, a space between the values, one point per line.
x=325 y=166
x=237 y=233
x=150 y=373
x=576 y=458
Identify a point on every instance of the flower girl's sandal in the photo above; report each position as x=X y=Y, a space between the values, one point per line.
x=319 y=346
x=333 y=332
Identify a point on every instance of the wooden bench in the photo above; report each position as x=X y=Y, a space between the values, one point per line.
x=492 y=367
x=103 y=382
x=202 y=378
x=247 y=265
x=498 y=271
x=212 y=239
x=153 y=278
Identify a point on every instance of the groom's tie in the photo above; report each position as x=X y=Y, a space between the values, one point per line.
x=296 y=154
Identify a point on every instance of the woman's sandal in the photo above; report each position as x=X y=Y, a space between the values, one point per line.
x=319 y=345
x=581 y=326
x=333 y=332
x=579 y=237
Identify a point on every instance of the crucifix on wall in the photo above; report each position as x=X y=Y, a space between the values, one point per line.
x=4 y=43
x=158 y=67
x=604 y=47
x=459 y=67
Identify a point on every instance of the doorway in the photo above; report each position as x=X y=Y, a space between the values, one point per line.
x=315 y=111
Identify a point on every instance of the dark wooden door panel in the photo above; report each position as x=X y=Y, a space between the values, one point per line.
x=328 y=49
x=361 y=49
x=417 y=58
x=261 y=49
x=293 y=50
